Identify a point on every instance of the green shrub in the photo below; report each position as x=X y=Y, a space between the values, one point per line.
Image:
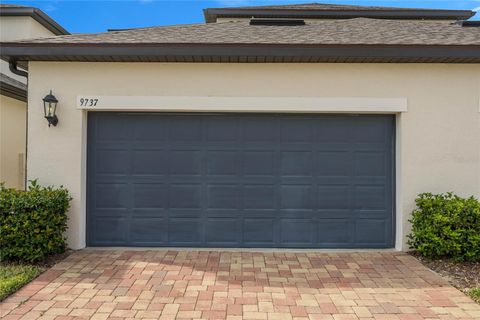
x=32 y=222
x=446 y=225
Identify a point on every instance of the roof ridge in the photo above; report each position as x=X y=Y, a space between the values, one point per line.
x=159 y=26
x=293 y=6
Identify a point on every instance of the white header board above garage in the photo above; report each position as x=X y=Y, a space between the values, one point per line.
x=242 y=104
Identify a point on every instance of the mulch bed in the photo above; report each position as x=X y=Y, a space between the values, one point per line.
x=462 y=275
x=53 y=259
x=48 y=262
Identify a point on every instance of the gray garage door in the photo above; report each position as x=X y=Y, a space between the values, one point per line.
x=240 y=180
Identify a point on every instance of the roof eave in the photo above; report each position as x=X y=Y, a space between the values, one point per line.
x=11 y=91
x=37 y=15
x=241 y=53
x=212 y=14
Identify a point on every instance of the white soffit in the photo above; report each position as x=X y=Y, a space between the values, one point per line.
x=241 y=104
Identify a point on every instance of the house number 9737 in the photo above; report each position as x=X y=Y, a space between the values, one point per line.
x=85 y=102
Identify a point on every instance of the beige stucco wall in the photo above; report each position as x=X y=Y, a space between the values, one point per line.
x=19 y=28
x=12 y=142
x=13 y=112
x=438 y=139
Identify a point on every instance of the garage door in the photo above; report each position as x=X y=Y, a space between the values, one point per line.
x=240 y=180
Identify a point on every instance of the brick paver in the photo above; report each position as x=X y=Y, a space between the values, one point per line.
x=163 y=284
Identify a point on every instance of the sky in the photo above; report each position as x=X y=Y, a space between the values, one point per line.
x=97 y=16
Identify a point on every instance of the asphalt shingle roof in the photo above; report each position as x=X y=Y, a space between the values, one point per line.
x=321 y=6
x=4 y=5
x=322 y=32
x=409 y=36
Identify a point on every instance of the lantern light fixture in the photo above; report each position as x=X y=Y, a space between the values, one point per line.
x=49 y=108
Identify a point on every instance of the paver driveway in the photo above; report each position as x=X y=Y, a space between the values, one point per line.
x=161 y=284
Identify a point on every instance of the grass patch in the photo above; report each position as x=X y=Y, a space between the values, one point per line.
x=475 y=294
x=14 y=276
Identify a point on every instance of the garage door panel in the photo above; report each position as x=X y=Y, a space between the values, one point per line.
x=221 y=129
x=112 y=213
x=150 y=213
x=260 y=214
x=109 y=230
x=297 y=232
x=223 y=162
x=112 y=128
x=345 y=214
x=297 y=163
x=297 y=130
x=334 y=130
x=149 y=230
x=334 y=180
x=370 y=197
x=111 y=195
x=371 y=130
x=298 y=197
x=371 y=231
x=221 y=231
x=371 y=181
x=296 y=214
x=150 y=195
x=370 y=214
x=334 y=163
x=334 y=197
x=149 y=162
x=184 y=196
x=370 y=163
x=184 y=129
x=184 y=162
x=185 y=213
x=223 y=196
x=366 y=147
x=335 y=232
x=222 y=213
x=148 y=129
x=259 y=197
x=112 y=161
x=240 y=180
x=259 y=231
x=185 y=231
x=259 y=130
x=258 y=163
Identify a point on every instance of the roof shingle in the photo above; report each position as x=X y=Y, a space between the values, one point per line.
x=321 y=6
x=5 y=5
x=321 y=32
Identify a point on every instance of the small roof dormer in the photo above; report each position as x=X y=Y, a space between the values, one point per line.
x=332 y=11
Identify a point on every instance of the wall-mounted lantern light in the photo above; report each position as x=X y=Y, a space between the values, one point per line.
x=49 y=108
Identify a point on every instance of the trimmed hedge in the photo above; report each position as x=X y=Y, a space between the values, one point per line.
x=32 y=222
x=445 y=225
